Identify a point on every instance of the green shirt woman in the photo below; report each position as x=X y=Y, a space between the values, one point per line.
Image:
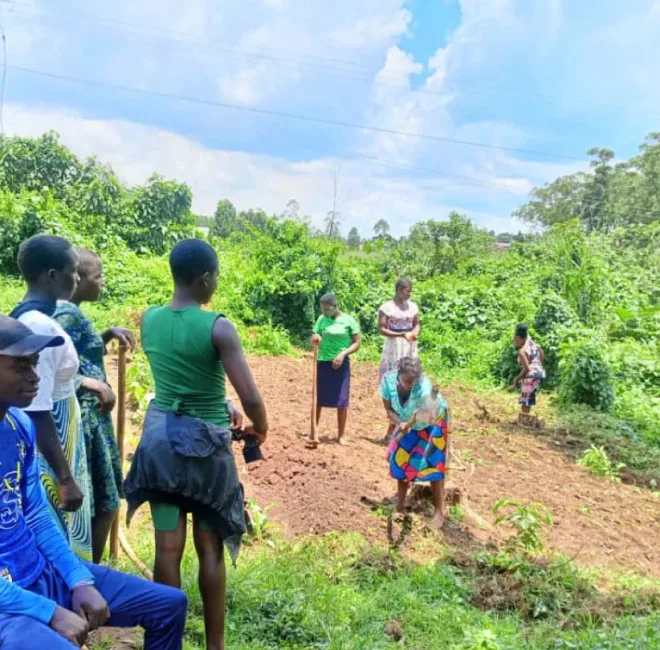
x=338 y=337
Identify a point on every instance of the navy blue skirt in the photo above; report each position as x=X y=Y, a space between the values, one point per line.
x=333 y=386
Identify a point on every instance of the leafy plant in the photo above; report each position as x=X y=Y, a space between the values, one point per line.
x=260 y=523
x=586 y=377
x=595 y=459
x=527 y=521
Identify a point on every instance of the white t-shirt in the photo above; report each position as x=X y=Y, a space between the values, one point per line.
x=57 y=366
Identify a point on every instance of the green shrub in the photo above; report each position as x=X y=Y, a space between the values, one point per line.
x=586 y=377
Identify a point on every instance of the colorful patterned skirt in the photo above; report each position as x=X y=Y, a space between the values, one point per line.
x=421 y=455
x=530 y=386
x=76 y=526
x=103 y=463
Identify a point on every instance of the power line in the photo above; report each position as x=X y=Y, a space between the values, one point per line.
x=380 y=80
x=294 y=116
x=103 y=19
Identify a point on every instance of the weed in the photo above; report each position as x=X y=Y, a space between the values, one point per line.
x=526 y=520
x=595 y=459
x=260 y=528
x=456 y=513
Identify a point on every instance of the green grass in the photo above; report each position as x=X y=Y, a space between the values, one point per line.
x=338 y=592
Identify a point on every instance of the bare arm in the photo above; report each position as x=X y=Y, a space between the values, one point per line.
x=392 y=415
x=524 y=362
x=228 y=345
x=541 y=353
x=382 y=327
x=48 y=442
x=416 y=326
x=355 y=346
x=352 y=349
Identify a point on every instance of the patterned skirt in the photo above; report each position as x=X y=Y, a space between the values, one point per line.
x=76 y=526
x=103 y=462
x=418 y=456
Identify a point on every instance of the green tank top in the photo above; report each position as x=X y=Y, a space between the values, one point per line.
x=188 y=373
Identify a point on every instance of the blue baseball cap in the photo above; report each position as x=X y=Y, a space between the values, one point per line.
x=18 y=340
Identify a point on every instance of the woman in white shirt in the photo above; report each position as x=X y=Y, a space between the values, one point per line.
x=49 y=266
x=398 y=322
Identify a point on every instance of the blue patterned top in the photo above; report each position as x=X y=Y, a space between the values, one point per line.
x=388 y=391
x=86 y=338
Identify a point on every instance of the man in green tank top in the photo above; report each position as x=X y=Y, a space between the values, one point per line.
x=190 y=352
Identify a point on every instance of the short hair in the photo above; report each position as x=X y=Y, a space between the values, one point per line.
x=191 y=259
x=329 y=299
x=85 y=259
x=522 y=330
x=403 y=283
x=41 y=253
x=410 y=366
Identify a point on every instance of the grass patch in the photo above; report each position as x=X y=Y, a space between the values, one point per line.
x=578 y=429
x=552 y=589
x=339 y=592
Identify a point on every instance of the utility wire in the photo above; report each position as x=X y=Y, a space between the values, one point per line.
x=370 y=76
x=294 y=116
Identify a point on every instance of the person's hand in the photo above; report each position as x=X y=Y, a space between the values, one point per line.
x=410 y=337
x=316 y=339
x=338 y=361
x=107 y=398
x=71 y=496
x=235 y=416
x=125 y=337
x=69 y=625
x=103 y=392
x=88 y=603
x=250 y=431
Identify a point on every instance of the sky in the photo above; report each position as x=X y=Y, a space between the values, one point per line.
x=413 y=108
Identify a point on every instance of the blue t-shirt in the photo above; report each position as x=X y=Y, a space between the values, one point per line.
x=29 y=538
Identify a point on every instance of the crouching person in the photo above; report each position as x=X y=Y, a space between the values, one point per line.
x=49 y=599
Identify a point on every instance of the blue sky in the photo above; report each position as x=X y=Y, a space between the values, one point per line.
x=551 y=76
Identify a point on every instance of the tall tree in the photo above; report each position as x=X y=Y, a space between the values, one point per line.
x=332 y=223
x=353 y=240
x=254 y=217
x=160 y=215
x=381 y=229
x=292 y=211
x=225 y=221
x=596 y=212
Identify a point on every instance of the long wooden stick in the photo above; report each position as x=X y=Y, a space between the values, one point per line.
x=315 y=350
x=146 y=571
x=121 y=428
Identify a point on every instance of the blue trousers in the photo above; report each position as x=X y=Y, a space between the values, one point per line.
x=133 y=602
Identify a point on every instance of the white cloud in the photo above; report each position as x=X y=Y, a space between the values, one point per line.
x=507 y=77
x=366 y=194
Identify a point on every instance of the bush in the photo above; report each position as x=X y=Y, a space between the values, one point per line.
x=552 y=312
x=586 y=377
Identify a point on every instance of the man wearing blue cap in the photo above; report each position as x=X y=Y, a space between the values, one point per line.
x=49 y=599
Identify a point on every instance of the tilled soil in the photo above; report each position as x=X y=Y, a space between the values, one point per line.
x=335 y=488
